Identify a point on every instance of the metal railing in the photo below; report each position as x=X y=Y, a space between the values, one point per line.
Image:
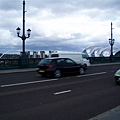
x=16 y=63
x=32 y=62
x=98 y=60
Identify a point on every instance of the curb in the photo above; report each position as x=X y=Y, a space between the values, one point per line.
x=17 y=70
x=113 y=114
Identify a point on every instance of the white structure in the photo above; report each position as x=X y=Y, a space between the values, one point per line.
x=97 y=51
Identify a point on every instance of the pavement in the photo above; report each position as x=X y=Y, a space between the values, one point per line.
x=113 y=114
x=17 y=70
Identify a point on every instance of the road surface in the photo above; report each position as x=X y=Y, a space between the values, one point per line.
x=27 y=96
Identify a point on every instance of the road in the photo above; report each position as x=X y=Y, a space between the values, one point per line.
x=27 y=96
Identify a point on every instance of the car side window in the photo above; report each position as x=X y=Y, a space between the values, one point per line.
x=70 y=62
x=61 y=62
x=45 y=61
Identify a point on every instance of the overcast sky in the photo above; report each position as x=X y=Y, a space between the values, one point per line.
x=70 y=25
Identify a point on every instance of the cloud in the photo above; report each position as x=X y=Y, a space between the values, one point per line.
x=62 y=24
x=10 y=5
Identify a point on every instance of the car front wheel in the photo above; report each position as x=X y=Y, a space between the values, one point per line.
x=57 y=73
x=82 y=71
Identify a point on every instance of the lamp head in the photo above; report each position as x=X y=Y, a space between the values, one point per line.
x=28 y=32
x=111 y=42
x=18 y=31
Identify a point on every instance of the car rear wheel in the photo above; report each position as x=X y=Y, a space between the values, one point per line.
x=82 y=71
x=57 y=73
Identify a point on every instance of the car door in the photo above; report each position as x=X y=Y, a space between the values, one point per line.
x=61 y=63
x=72 y=67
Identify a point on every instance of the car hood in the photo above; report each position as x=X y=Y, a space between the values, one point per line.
x=117 y=73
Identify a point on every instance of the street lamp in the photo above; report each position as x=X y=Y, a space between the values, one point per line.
x=111 y=42
x=24 y=56
x=18 y=31
x=23 y=37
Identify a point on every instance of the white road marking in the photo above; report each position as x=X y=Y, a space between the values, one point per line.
x=25 y=83
x=92 y=74
x=62 y=92
x=49 y=80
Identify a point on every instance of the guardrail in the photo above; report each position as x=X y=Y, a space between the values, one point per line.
x=16 y=63
x=98 y=60
x=32 y=62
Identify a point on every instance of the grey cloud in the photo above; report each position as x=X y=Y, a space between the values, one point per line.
x=10 y=5
x=37 y=40
x=63 y=6
x=55 y=43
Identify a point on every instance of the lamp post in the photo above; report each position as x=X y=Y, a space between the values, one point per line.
x=111 y=42
x=24 y=57
x=23 y=37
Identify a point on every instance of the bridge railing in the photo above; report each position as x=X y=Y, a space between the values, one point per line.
x=9 y=63
x=32 y=62
x=97 y=60
x=16 y=63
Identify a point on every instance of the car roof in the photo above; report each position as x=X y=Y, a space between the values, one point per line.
x=56 y=58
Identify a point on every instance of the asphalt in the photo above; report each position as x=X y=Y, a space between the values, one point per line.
x=113 y=114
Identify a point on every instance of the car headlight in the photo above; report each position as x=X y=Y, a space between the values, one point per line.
x=117 y=73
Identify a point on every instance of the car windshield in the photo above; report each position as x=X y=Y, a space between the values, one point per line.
x=45 y=61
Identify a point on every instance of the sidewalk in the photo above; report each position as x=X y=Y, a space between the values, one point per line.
x=113 y=114
x=17 y=70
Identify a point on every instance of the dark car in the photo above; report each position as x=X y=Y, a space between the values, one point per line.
x=59 y=66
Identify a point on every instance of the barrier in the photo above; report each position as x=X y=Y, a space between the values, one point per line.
x=16 y=63
x=32 y=62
